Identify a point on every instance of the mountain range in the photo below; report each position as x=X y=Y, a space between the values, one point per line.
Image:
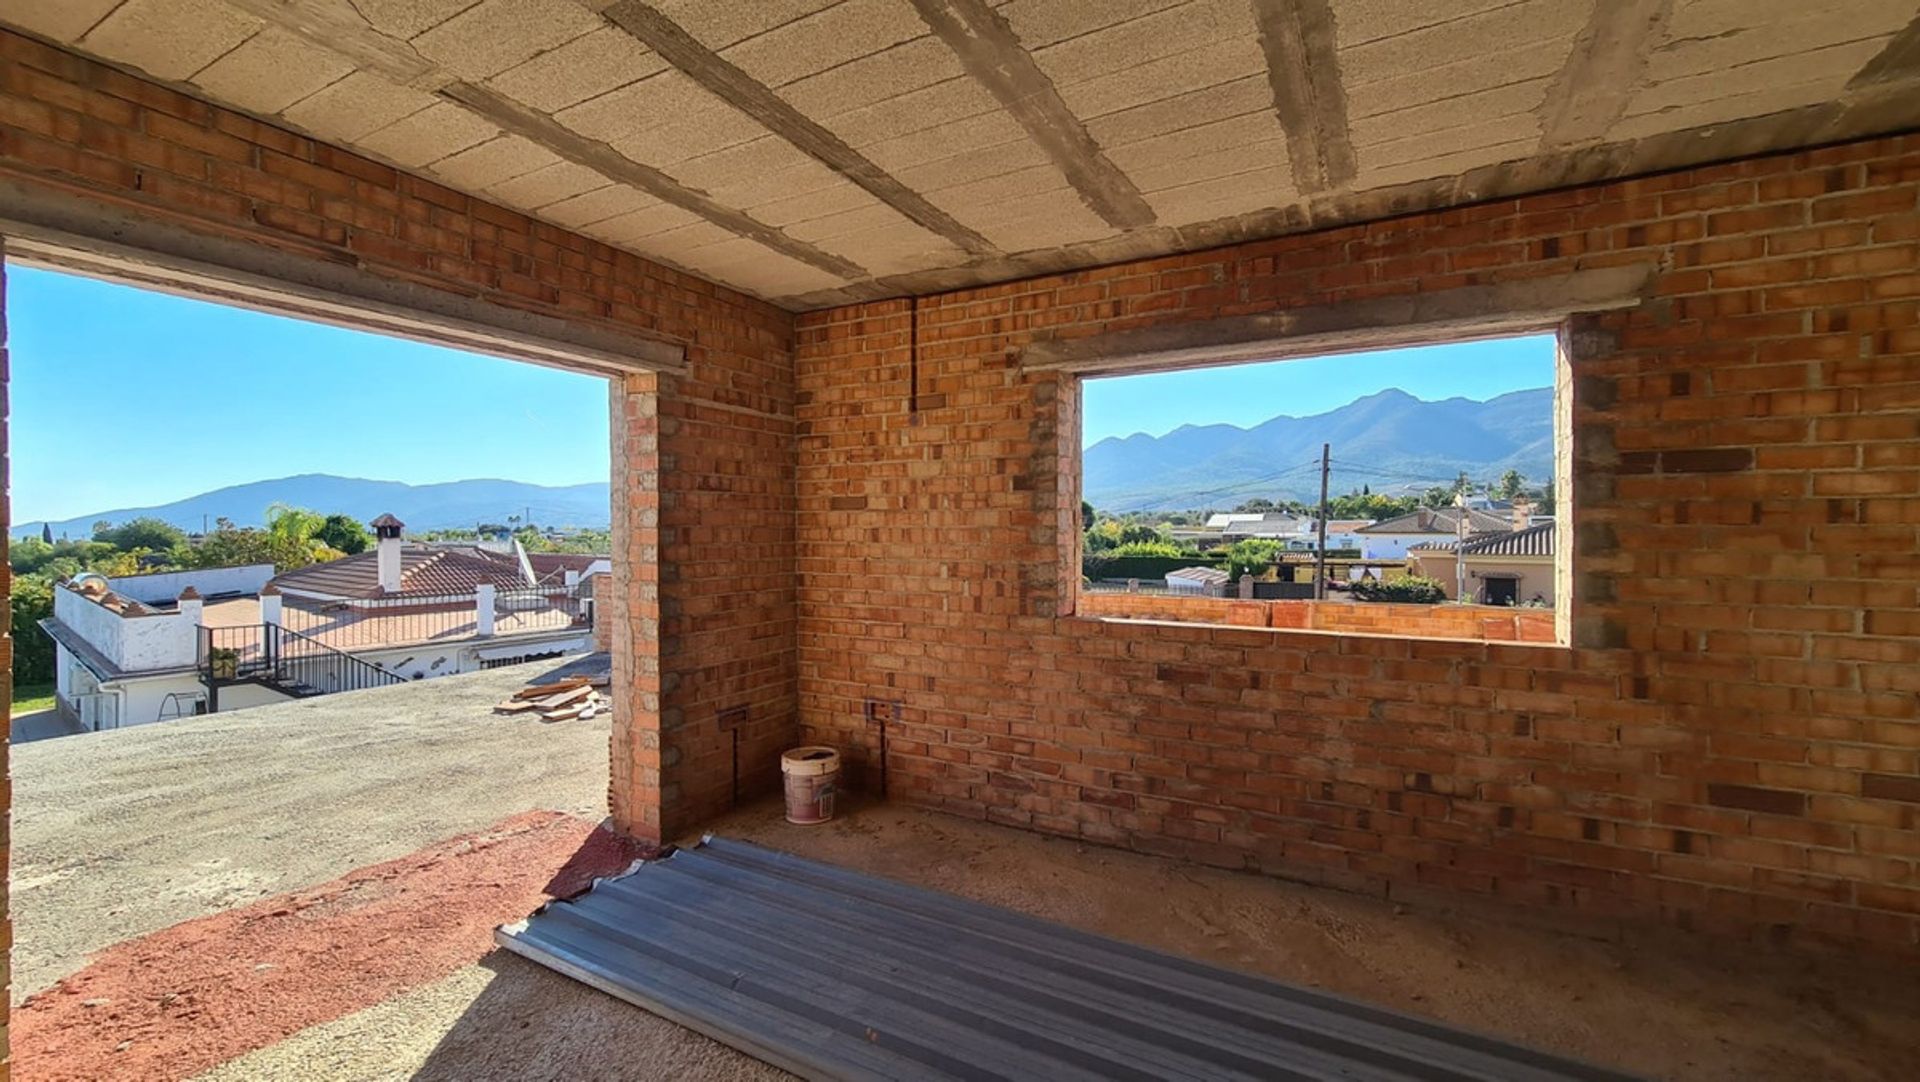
x=1391 y=441
x=447 y=505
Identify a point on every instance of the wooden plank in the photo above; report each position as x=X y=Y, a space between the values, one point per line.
x=541 y=691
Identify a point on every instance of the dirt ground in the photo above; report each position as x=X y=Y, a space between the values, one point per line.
x=1667 y=1006
x=122 y=833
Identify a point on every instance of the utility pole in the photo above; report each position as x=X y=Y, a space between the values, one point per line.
x=1320 y=565
x=1459 y=549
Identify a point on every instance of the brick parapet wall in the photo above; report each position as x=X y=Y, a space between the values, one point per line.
x=1732 y=741
x=703 y=482
x=1478 y=623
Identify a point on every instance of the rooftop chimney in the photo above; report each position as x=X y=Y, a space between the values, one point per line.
x=1522 y=514
x=386 y=531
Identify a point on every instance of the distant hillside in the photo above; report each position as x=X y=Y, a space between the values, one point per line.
x=1391 y=441
x=449 y=505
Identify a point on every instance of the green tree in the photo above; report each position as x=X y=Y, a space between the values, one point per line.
x=152 y=534
x=1086 y=515
x=344 y=533
x=1251 y=557
x=1512 y=483
x=31 y=598
x=1138 y=532
x=229 y=546
x=29 y=554
x=293 y=537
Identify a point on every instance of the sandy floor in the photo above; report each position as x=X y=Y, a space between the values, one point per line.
x=1667 y=1006
x=120 y=833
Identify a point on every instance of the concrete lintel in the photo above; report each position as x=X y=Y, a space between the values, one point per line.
x=1532 y=304
x=73 y=233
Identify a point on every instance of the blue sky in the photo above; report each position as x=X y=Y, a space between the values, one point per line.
x=1247 y=394
x=127 y=398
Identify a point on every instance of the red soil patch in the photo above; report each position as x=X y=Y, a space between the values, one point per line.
x=174 y=1003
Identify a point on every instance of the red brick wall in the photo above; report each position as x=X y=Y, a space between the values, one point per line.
x=703 y=483
x=1488 y=623
x=1730 y=744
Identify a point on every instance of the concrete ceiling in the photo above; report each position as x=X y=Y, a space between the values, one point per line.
x=818 y=151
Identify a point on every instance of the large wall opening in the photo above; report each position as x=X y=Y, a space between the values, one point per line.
x=1414 y=491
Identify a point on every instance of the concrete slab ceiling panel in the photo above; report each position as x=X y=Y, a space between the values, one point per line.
x=355 y=107
x=825 y=39
x=547 y=186
x=495 y=35
x=433 y=133
x=499 y=159
x=170 y=39
x=1041 y=23
x=887 y=243
x=756 y=269
x=872 y=79
x=582 y=69
x=787 y=146
x=1468 y=114
x=60 y=20
x=406 y=19
x=270 y=71
x=595 y=206
x=1714 y=65
x=638 y=226
x=720 y=23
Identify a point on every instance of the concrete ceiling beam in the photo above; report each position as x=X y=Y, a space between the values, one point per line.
x=1607 y=66
x=727 y=82
x=1303 y=69
x=334 y=27
x=990 y=52
x=517 y=119
x=1900 y=60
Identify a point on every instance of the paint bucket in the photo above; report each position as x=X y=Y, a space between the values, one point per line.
x=811 y=775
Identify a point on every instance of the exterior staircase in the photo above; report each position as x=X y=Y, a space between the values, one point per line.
x=282 y=660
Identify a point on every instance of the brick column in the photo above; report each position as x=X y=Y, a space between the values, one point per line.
x=628 y=602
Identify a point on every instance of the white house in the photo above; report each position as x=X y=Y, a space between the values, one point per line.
x=1389 y=539
x=146 y=648
x=126 y=650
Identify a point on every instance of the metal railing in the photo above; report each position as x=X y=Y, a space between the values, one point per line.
x=415 y=619
x=285 y=659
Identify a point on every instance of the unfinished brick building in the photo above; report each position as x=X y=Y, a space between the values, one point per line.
x=846 y=265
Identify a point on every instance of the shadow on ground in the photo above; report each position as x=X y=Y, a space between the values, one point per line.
x=532 y=1023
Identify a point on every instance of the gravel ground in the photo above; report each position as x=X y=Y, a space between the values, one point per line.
x=121 y=833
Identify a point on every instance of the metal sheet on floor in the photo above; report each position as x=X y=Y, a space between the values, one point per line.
x=832 y=974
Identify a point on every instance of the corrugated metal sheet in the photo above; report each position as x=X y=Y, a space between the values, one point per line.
x=833 y=974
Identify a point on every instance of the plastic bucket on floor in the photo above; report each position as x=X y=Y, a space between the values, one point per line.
x=811 y=775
